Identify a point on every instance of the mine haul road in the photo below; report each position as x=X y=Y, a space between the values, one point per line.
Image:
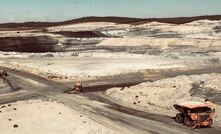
x=97 y=108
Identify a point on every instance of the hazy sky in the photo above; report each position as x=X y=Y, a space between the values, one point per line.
x=57 y=10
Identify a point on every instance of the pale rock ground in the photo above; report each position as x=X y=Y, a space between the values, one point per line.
x=189 y=30
x=46 y=117
x=91 y=65
x=158 y=42
x=84 y=67
x=69 y=68
x=200 y=33
x=197 y=29
x=161 y=95
x=203 y=32
x=90 y=26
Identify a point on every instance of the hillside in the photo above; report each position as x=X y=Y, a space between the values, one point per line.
x=118 y=20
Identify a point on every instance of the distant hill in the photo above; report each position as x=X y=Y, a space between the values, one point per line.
x=119 y=20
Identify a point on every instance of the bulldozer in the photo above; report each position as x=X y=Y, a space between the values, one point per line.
x=195 y=114
x=77 y=87
x=3 y=75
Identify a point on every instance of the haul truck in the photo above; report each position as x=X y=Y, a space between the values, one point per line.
x=195 y=114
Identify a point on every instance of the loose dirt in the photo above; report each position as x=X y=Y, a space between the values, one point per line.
x=46 y=117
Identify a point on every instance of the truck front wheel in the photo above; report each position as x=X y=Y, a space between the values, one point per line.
x=179 y=118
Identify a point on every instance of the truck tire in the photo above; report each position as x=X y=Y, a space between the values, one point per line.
x=179 y=118
x=188 y=122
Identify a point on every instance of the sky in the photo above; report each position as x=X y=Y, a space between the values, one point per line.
x=59 y=10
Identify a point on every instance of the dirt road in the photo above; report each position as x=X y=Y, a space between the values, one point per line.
x=130 y=79
x=93 y=105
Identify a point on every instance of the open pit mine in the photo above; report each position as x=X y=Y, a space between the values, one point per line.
x=111 y=75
